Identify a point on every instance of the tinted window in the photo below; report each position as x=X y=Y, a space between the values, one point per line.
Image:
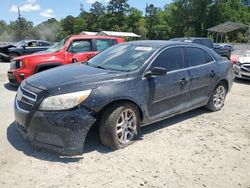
x=32 y=44
x=197 y=56
x=207 y=43
x=103 y=44
x=43 y=44
x=171 y=59
x=80 y=46
x=197 y=41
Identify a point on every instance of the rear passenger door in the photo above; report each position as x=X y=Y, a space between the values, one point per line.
x=103 y=44
x=168 y=93
x=203 y=70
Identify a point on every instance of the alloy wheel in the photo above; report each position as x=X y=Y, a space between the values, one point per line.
x=126 y=126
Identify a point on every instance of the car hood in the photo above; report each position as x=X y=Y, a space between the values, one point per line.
x=244 y=60
x=42 y=54
x=74 y=77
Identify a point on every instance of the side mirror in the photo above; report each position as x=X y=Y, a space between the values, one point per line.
x=155 y=71
x=23 y=46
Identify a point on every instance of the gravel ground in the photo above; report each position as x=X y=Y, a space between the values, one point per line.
x=195 y=149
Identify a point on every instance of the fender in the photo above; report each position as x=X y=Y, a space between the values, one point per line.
x=50 y=65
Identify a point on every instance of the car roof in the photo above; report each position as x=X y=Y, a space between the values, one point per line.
x=29 y=40
x=162 y=43
x=187 y=38
x=92 y=37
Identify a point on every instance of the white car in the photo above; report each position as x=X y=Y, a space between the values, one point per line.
x=242 y=67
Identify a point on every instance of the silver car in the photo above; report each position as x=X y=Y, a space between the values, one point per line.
x=242 y=67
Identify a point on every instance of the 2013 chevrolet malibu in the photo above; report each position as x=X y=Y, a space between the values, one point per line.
x=121 y=89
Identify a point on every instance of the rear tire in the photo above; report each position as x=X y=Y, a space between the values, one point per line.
x=217 y=99
x=119 y=125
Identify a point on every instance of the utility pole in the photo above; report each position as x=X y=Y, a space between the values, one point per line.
x=19 y=25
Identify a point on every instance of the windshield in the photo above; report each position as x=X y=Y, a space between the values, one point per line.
x=122 y=57
x=58 y=46
x=20 y=43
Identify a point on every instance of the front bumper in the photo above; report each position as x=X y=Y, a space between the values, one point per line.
x=63 y=132
x=239 y=73
x=12 y=78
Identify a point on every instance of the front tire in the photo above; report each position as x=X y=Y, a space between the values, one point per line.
x=120 y=125
x=217 y=99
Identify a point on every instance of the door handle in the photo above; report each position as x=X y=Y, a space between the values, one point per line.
x=183 y=81
x=212 y=74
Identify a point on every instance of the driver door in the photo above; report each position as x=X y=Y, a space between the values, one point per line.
x=80 y=51
x=168 y=93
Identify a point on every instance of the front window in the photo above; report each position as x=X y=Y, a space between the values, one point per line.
x=20 y=43
x=58 y=46
x=172 y=59
x=123 y=57
x=80 y=46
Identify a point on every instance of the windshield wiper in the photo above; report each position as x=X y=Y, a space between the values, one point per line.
x=100 y=67
x=96 y=66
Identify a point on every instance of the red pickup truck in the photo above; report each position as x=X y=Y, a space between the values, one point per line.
x=77 y=48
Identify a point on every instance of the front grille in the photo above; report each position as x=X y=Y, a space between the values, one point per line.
x=25 y=99
x=246 y=67
x=13 y=80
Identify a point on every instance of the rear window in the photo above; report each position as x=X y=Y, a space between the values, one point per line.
x=43 y=44
x=197 y=56
x=103 y=44
x=207 y=43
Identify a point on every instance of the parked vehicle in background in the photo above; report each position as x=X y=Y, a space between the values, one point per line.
x=222 y=49
x=4 y=53
x=77 y=48
x=237 y=54
x=123 y=88
x=9 y=51
x=242 y=66
x=25 y=47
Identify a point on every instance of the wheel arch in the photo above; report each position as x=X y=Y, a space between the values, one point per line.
x=141 y=113
x=224 y=81
x=46 y=65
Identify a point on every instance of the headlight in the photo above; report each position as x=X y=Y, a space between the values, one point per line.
x=65 y=101
x=20 y=64
x=12 y=65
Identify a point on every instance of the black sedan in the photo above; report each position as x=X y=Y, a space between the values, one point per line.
x=26 y=47
x=122 y=89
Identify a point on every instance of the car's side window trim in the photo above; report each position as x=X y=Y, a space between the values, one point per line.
x=158 y=53
x=189 y=66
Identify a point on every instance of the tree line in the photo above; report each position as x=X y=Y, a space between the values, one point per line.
x=177 y=19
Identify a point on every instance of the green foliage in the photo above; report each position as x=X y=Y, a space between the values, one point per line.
x=177 y=19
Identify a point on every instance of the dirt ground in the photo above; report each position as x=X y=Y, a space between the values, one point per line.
x=195 y=149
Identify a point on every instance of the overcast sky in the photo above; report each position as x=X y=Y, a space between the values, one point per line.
x=40 y=10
